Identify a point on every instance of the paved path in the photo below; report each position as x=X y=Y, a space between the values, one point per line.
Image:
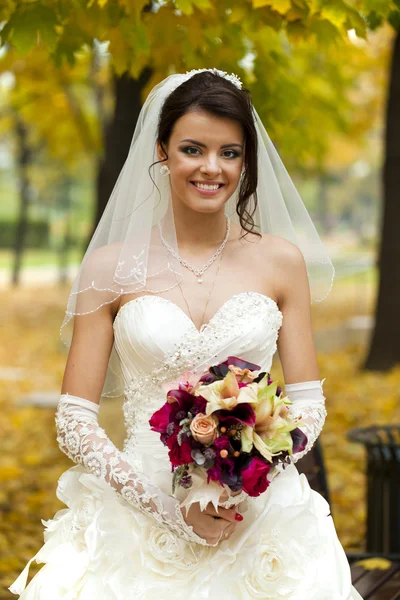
x=31 y=276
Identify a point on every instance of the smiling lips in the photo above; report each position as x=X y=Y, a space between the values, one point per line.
x=210 y=188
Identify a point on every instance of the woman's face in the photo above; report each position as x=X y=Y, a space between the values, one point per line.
x=205 y=157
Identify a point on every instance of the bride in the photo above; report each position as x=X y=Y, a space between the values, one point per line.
x=205 y=251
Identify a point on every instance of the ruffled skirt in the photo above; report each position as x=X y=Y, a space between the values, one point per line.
x=102 y=548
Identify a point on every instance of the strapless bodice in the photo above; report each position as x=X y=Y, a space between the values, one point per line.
x=156 y=342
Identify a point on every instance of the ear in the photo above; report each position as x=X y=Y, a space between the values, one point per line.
x=160 y=152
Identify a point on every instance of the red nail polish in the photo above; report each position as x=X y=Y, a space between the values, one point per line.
x=238 y=517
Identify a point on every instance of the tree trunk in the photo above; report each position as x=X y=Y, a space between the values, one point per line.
x=66 y=241
x=118 y=137
x=384 y=351
x=23 y=160
x=324 y=216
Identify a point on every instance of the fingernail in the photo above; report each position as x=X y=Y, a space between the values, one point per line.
x=238 y=517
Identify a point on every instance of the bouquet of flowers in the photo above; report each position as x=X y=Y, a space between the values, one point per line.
x=229 y=428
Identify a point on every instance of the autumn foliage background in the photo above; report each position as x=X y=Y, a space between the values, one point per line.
x=318 y=72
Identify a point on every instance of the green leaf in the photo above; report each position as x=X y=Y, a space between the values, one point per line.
x=186 y=6
x=394 y=19
x=237 y=14
x=355 y=21
x=136 y=35
x=6 y=9
x=379 y=6
x=72 y=39
x=325 y=32
x=29 y=24
x=247 y=438
x=296 y=31
x=297 y=13
x=374 y=20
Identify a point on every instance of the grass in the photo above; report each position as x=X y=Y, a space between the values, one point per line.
x=38 y=258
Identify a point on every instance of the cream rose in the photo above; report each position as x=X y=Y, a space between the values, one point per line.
x=283 y=559
x=204 y=429
x=170 y=554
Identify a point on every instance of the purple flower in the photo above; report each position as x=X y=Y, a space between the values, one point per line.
x=183 y=399
x=214 y=473
x=200 y=404
x=176 y=410
x=221 y=443
x=242 y=413
x=299 y=440
x=219 y=371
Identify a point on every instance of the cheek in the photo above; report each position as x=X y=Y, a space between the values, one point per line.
x=235 y=170
x=182 y=167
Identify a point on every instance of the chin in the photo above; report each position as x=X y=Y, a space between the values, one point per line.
x=208 y=208
x=207 y=205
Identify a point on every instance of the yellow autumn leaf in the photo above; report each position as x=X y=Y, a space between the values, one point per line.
x=370 y=564
x=237 y=14
x=7 y=473
x=32 y=459
x=281 y=6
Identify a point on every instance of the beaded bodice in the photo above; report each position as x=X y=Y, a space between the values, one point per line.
x=156 y=342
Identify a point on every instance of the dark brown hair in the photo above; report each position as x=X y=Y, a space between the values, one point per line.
x=211 y=93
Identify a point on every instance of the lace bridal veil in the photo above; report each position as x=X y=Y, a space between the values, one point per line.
x=126 y=256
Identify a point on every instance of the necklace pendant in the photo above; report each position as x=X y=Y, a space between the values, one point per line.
x=199 y=280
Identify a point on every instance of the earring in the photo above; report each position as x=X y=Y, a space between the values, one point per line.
x=164 y=170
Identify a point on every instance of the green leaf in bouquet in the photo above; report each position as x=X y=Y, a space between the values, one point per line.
x=265 y=391
x=247 y=438
x=177 y=476
x=280 y=443
x=262 y=447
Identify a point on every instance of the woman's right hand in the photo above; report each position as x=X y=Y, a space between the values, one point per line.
x=209 y=524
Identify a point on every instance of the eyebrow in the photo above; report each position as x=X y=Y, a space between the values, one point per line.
x=205 y=146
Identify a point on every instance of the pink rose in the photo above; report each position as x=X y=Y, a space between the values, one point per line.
x=204 y=429
x=254 y=477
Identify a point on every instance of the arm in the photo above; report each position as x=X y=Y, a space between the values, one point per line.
x=296 y=346
x=85 y=442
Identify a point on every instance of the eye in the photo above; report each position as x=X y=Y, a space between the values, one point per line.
x=191 y=150
x=230 y=154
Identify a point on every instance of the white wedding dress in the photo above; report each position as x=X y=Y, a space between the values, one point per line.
x=103 y=548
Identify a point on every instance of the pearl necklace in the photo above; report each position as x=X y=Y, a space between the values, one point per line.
x=198 y=272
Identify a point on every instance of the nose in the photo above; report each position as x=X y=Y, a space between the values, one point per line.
x=211 y=165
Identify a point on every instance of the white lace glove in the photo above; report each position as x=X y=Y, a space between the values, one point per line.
x=82 y=439
x=309 y=402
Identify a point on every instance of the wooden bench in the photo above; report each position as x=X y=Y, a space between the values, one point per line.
x=376 y=577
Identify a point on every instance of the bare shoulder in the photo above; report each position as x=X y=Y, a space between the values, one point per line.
x=286 y=267
x=281 y=249
x=96 y=282
x=102 y=261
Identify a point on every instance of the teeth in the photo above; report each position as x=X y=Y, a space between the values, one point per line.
x=203 y=186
